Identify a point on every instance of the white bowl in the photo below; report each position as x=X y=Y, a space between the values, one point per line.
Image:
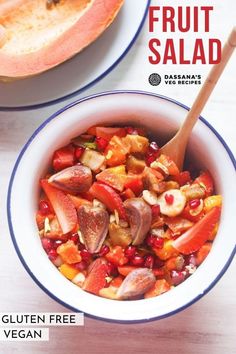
x=161 y=116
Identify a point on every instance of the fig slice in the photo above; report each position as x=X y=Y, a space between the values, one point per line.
x=74 y=180
x=137 y=282
x=93 y=223
x=139 y=215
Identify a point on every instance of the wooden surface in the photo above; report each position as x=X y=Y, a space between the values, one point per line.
x=208 y=326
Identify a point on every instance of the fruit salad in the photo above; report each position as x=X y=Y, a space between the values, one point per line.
x=118 y=218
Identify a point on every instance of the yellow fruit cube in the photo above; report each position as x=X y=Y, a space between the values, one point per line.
x=68 y=271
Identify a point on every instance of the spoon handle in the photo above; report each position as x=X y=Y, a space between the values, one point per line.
x=208 y=86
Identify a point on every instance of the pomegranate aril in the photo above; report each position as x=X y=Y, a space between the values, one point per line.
x=75 y=238
x=193 y=204
x=149 y=261
x=131 y=131
x=104 y=250
x=169 y=198
x=150 y=240
x=52 y=254
x=85 y=254
x=150 y=158
x=158 y=263
x=44 y=207
x=177 y=277
x=137 y=260
x=111 y=269
x=80 y=246
x=47 y=244
x=158 y=242
x=155 y=210
x=79 y=152
x=190 y=259
x=57 y=243
x=101 y=143
x=81 y=265
x=153 y=148
x=130 y=251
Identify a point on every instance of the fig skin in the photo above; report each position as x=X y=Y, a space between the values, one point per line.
x=139 y=215
x=74 y=180
x=137 y=282
x=93 y=223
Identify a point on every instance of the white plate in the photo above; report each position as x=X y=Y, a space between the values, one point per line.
x=82 y=71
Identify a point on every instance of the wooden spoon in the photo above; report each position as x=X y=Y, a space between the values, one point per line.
x=176 y=147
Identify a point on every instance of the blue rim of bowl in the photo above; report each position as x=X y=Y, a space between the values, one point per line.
x=90 y=84
x=10 y=225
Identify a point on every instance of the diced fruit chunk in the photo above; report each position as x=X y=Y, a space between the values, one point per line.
x=161 y=286
x=135 y=165
x=68 y=271
x=107 y=132
x=117 y=256
x=62 y=205
x=167 y=251
x=203 y=252
x=137 y=143
x=182 y=178
x=115 y=177
x=135 y=184
x=78 y=201
x=109 y=293
x=116 y=151
x=69 y=252
x=119 y=236
x=92 y=159
x=178 y=224
x=126 y=269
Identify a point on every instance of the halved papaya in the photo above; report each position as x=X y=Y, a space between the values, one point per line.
x=34 y=39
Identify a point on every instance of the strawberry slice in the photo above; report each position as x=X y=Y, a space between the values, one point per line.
x=205 y=180
x=63 y=158
x=109 y=197
x=96 y=279
x=63 y=207
x=195 y=237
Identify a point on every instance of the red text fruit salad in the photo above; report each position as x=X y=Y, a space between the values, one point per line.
x=118 y=218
